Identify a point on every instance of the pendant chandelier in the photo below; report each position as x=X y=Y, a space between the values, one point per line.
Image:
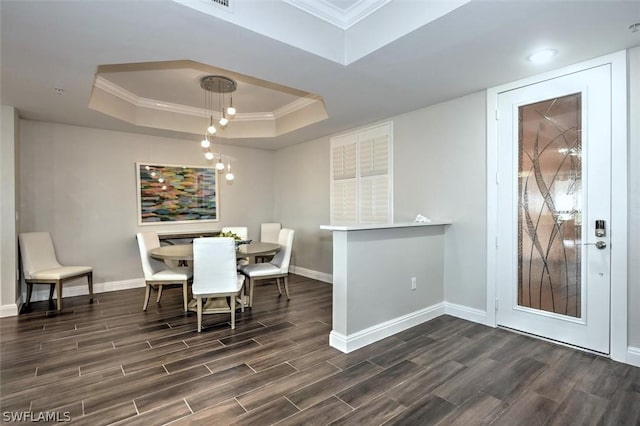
x=221 y=86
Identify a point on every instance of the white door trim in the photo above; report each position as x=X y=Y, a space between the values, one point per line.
x=619 y=211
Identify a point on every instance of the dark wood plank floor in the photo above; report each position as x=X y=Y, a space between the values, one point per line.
x=111 y=363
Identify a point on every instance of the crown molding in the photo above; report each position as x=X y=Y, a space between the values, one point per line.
x=141 y=102
x=341 y=18
x=122 y=93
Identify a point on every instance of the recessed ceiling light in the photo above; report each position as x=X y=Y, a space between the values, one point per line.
x=542 y=56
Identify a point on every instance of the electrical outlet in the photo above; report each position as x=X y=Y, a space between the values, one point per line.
x=413 y=283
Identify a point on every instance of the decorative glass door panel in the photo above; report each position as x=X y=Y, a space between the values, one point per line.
x=550 y=205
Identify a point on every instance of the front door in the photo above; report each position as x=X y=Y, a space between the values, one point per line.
x=554 y=204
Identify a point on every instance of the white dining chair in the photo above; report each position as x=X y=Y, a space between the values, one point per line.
x=277 y=268
x=268 y=234
x=215 y=277
x=40 y=266
x=243 y=233
x=157 y=273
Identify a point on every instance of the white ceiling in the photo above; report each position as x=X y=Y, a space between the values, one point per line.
x=453 y=52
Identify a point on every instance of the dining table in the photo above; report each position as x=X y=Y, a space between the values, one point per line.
x=184 y=253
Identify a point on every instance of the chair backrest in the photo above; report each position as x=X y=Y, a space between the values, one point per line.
x=283 y=257
x=269 y=232
x=240 y=231
x=36 y=250
x=214 y=265
x=148 y=241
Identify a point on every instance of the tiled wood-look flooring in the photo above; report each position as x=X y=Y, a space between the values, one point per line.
x=112 y=363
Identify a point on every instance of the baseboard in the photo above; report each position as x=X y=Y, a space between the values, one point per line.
x=310 y=273
x=10 y=310
x=466 y=313
x=380 y=331
x=633 y=356
x=81 y=290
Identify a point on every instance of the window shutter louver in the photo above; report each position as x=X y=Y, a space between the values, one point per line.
x=374 y=199
x=344 y=202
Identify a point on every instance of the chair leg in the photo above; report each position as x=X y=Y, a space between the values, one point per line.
x=185 y=295
x=147 y=294
x=199 y=308
x=51 y=288
x=59 y=294
x=251 y=284
x=233 y=311
x=29 y=291
x=159 y=293
x=286 y=287
x=90 y=283
x=278 y=284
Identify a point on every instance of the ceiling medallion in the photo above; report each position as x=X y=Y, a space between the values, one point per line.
x=218 y=84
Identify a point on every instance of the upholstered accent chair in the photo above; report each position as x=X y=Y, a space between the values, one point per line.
x=40 y=266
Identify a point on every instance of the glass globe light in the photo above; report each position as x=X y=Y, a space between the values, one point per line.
x=208 y=155
x=205 y=143
x=220 y=165
x=229 y=176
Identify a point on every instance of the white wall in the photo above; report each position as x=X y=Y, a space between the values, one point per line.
x=80 y=185
x=8 y=241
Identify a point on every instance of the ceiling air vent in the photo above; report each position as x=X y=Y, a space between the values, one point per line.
x=225 y=4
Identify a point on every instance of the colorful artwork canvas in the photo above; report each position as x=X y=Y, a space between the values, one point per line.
x=176 y=194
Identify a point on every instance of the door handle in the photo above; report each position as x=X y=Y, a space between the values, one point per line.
x=600 y=245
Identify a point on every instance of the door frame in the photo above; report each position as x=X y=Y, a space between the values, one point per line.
x=619 y=198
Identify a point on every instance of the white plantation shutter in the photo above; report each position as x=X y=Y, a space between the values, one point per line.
x=361 y=184
x=343 y=180
x=344 y=202
x=344 y=161
x=374 y=199
x=374 y=156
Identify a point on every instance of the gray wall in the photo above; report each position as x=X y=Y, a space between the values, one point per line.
x=8 y=205
x=439 y=172
x=634 y=198
x=378 y=266
x=80 y=185
x=301 y=193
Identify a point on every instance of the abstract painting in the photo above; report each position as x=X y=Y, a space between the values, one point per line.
x=176 y=194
